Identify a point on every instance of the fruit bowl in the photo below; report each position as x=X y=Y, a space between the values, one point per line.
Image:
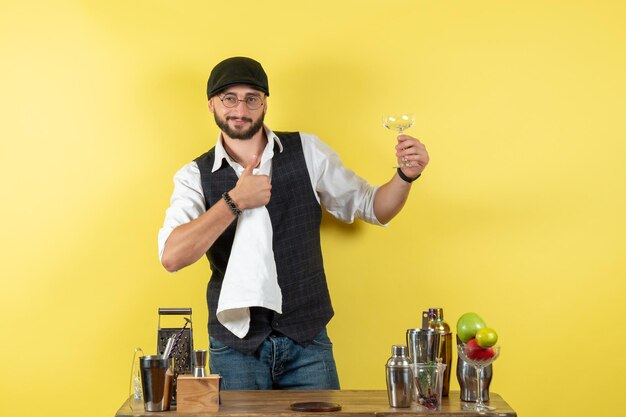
x=478 y=357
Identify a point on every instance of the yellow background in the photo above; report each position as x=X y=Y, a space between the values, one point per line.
x=520 y=216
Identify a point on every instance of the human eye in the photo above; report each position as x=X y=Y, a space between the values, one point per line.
x=253 y=100
x=230 y=99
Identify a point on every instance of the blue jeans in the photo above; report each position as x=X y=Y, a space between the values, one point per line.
x=279 y=363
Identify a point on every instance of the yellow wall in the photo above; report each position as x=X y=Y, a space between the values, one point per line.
x=520 y=216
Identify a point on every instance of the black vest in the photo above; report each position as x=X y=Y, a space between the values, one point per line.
x=296 y=216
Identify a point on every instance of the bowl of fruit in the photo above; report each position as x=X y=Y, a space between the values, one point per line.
x=478 y=348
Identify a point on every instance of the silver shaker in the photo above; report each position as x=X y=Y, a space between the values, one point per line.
x=399 y=378
x=423 y=345
x=468 y=380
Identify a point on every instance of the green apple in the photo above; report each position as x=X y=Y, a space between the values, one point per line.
x=467 y=326
x=486 y=337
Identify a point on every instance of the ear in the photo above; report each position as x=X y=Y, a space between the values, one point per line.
x=211 y=108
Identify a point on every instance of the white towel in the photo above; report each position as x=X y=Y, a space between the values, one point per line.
x=250 y=279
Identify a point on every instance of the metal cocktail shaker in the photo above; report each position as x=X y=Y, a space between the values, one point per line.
x=157 y=379
x=399 y=378
x=437 y=323
x=468 y=380
x=423 y=345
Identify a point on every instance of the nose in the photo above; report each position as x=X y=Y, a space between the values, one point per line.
x=240 y=108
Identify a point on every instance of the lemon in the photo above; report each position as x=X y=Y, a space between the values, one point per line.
x=486 y=337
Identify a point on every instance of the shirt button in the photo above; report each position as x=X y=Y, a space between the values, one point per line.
x=276 y=324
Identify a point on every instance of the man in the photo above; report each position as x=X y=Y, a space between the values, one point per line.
x=252 y=205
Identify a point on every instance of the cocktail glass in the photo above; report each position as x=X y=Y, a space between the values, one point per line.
x=486 y=359
x=399 y=122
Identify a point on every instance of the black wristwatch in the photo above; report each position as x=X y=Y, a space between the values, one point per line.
x=405 y=178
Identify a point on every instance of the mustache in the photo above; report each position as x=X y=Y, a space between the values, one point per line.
x=245 y=119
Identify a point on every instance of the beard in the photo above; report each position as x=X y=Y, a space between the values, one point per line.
x=243 y=134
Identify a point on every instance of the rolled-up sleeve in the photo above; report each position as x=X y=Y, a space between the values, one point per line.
x=187 y=202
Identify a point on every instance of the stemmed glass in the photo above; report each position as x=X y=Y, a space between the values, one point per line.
x=399 y=122
x=136 y=393
x=479 y=365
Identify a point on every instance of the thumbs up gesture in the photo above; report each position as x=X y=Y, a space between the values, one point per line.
x=251 y=190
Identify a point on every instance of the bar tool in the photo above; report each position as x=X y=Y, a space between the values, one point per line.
x=399 y=378
x=157 y=382
x=176 y=342
x=437 y=323
x=468 y=379
x=423 y=345
x=199 y=363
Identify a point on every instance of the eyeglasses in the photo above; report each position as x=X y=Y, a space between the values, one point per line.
x=231 y=100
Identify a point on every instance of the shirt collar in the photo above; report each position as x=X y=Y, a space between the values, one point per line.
x=221 y=154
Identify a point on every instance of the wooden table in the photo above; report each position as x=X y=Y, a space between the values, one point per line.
x=353 y=404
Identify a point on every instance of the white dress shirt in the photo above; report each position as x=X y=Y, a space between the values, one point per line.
x=339 y=190
x=250 y=279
